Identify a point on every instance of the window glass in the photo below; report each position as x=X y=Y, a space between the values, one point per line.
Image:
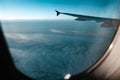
x=44 y=46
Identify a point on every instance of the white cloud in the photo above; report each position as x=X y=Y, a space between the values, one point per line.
x=24 y=37
x=56 y=31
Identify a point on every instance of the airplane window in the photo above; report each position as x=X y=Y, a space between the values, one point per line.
x=53 y=40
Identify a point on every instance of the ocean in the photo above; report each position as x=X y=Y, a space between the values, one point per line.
x=50 y=49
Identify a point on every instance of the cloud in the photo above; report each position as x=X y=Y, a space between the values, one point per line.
x=16 y=36
x=24 y=37
x=56 y=31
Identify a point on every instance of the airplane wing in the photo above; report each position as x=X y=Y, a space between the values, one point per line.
x=106 y=22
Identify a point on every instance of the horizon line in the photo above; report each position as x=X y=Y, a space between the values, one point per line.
x=32 y=19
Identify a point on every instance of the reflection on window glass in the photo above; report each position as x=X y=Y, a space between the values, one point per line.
x=48 y=47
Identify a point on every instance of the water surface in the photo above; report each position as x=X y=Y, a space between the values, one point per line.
x=50 y=49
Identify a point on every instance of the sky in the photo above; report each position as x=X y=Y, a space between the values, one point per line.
x=45 y=9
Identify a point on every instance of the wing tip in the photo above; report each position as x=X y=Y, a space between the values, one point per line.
x=58 y=13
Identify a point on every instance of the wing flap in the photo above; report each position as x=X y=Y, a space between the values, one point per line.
x=107 y=24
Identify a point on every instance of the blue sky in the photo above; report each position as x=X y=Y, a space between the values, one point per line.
x=44 y=9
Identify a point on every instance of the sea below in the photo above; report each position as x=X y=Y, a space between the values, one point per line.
x=50 y=49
